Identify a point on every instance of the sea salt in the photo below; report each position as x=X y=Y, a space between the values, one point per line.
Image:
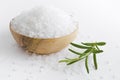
x=44 y=22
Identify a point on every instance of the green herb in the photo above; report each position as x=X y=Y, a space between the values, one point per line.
x=90 y=48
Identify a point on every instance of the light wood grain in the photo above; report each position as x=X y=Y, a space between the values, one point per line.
x=43 y=46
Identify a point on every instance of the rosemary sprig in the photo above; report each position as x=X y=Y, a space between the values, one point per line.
x=90 y=48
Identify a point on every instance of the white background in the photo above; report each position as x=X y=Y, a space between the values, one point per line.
x=99 y=20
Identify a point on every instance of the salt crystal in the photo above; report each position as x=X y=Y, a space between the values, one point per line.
x=44 y=22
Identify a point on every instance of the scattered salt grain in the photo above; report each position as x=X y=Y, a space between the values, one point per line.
x=44 y=22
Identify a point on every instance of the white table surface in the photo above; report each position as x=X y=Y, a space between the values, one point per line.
x=99 y=20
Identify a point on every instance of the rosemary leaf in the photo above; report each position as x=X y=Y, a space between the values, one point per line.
x=64 y=60
x=95 y=61
x=100 y=43
x=79 y=46
x=92 y=44
x=86 y=64
x=75 y=52
x=97 y=51
x=88 y=44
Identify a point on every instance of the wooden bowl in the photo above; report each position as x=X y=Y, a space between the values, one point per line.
x=43 y=46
